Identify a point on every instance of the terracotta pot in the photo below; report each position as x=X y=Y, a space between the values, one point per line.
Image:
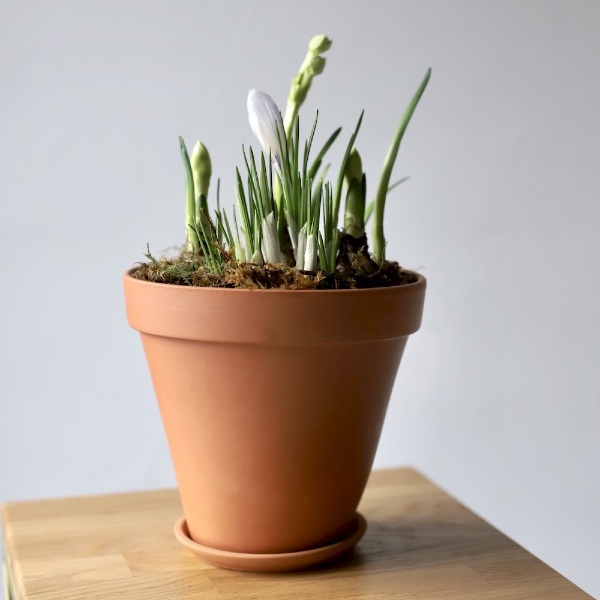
x=272 y=402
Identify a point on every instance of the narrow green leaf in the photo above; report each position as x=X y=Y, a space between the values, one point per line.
x=308 y=145
x=319 y=159
x=190 y=199
x=384 y=182
x=323 y=258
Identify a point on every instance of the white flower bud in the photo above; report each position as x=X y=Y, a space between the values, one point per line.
x=311 y=253
x=270 y=241
x=267 y=125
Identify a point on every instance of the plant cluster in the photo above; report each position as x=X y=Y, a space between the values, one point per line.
x=287 y=210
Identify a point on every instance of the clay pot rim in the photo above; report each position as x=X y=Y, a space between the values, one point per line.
x=274 y=316
x=421 y=281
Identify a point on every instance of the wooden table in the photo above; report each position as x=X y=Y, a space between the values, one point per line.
x=421 y=543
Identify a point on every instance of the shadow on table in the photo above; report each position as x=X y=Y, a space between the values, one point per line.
x=415 y=543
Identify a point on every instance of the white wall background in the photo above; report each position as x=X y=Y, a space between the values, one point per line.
x=498 y=398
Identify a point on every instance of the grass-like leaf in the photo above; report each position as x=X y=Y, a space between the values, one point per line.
x=384 y=182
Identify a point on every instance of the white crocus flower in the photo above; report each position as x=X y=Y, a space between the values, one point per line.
x=267 y=125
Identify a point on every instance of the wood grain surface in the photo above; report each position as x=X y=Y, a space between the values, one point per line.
x=420 y=544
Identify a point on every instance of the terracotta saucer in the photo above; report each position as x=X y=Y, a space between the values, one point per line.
x=287 y=561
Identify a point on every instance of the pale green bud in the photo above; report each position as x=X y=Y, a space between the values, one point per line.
x=317 y=64
x=354 y=215
x=320 y=43
x=353 y=168
x=201 y=169
x=355 y=181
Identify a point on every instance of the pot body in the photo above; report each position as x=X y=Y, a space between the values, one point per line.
x=272 y=402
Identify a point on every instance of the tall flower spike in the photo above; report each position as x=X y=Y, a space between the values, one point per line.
x=267 y=125
x=312 y=66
